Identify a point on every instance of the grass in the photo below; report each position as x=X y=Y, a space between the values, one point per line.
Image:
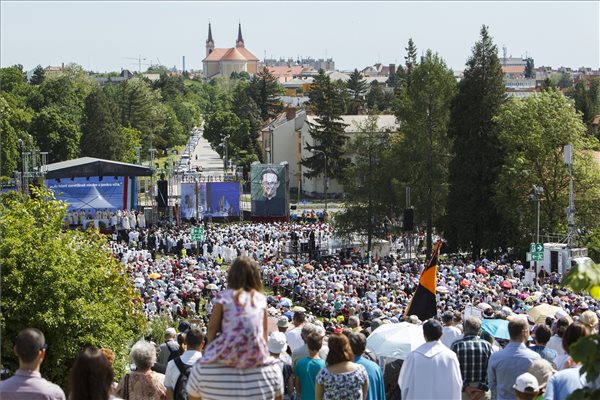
x=162 y=161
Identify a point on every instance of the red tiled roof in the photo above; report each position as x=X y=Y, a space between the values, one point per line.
x=216 y=55
x=517 y=69
x=285 y=71
x=231 y=54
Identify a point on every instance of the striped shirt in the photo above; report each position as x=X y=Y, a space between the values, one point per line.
x=473 y=355
x=217 y=382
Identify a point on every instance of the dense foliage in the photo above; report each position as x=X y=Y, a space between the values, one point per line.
x=472 y=220
x=65 y=283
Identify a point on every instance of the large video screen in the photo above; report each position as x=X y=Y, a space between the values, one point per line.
x=269 y=186
x=224 y=199
x=193 y=200
x=90 y=193
x=214 y=199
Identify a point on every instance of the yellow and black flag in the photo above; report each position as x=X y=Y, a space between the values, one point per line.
x=423 y=303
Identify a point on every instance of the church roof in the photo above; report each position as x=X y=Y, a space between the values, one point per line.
x=231 y=54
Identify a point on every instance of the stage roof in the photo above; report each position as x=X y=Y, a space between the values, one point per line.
x=89 y=166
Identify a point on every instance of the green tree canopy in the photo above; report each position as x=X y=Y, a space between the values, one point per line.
x=328 y=130
x=65 y=283
x=533 y=133
x=357 y=87
x=55 y=134
x=472 y=220
x=265 y=90
x=101 y=133
x=423 y=157
x=38 y=76
x=366 y=205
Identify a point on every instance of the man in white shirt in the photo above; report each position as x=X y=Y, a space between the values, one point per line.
x=440 y=363
x=294 y=336
x=450 y=333
x=194 y=341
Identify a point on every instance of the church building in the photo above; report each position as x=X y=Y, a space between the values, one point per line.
x=224 y=61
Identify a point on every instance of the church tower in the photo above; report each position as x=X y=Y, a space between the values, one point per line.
x=240 y=41
x=210 y=44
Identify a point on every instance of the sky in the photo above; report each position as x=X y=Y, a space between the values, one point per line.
x=111 y=35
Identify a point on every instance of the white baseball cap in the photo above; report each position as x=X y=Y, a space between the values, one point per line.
x=526 y=383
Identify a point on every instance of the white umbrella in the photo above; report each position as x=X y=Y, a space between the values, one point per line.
x=442 y=289
x=395 y=340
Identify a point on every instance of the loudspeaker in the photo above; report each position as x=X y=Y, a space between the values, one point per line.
x=408 y=223
x=163 y=194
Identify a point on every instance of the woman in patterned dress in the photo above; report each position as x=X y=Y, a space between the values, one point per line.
x=342 y=379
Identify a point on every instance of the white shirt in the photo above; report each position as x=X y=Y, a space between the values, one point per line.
x=555 y=343
x=294 y=338
x=172 y=373
x=442 y=368
x=450 y=334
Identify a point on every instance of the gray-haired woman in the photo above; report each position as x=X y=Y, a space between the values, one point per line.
x=143 y=383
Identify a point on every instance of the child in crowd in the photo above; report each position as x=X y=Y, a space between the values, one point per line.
x=237 y=330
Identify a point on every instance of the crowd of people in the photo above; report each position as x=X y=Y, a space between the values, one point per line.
x=325 y=308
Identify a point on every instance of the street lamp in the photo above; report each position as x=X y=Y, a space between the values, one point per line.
x=325 y=181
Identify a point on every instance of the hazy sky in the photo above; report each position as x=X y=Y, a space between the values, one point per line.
x=104 y=36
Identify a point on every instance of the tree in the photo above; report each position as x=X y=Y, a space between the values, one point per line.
x=410 y=60
x=423 y=114
x=357 y=87
x=64 y=283
x=226 y=128
x=265 y=90
x=327 y=132
x=55 y=134
x=139 y=107
x=101 y=136
x=376 y=99
x=366 y=207
x=12 y=79
x=564 y=80
x=38 y=76
x=472 y=220
x=533 y=132
x=530 y=68
x=583 y=103
x=171 y=134
x=246 y=109
x=9 y=153
x=131 y=137
x=14 y=125
x=586 y=278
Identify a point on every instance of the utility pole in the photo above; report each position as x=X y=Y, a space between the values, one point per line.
x=572 y=229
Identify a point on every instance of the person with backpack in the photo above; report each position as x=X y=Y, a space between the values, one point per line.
x=178 y=369
x=168 y=347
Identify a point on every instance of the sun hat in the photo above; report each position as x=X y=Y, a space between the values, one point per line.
x=542 y=370
x=283 y=322
x=277 y=342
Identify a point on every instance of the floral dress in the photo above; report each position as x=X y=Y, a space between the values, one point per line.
x=147 y=385
x=344 y=386
x=241 y=343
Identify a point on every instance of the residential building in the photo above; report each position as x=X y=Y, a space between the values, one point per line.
x=224 y=61
x=315 y=186
x=324 y=64
x=281 y=140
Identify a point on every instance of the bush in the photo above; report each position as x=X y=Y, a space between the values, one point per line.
x=64 y=283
